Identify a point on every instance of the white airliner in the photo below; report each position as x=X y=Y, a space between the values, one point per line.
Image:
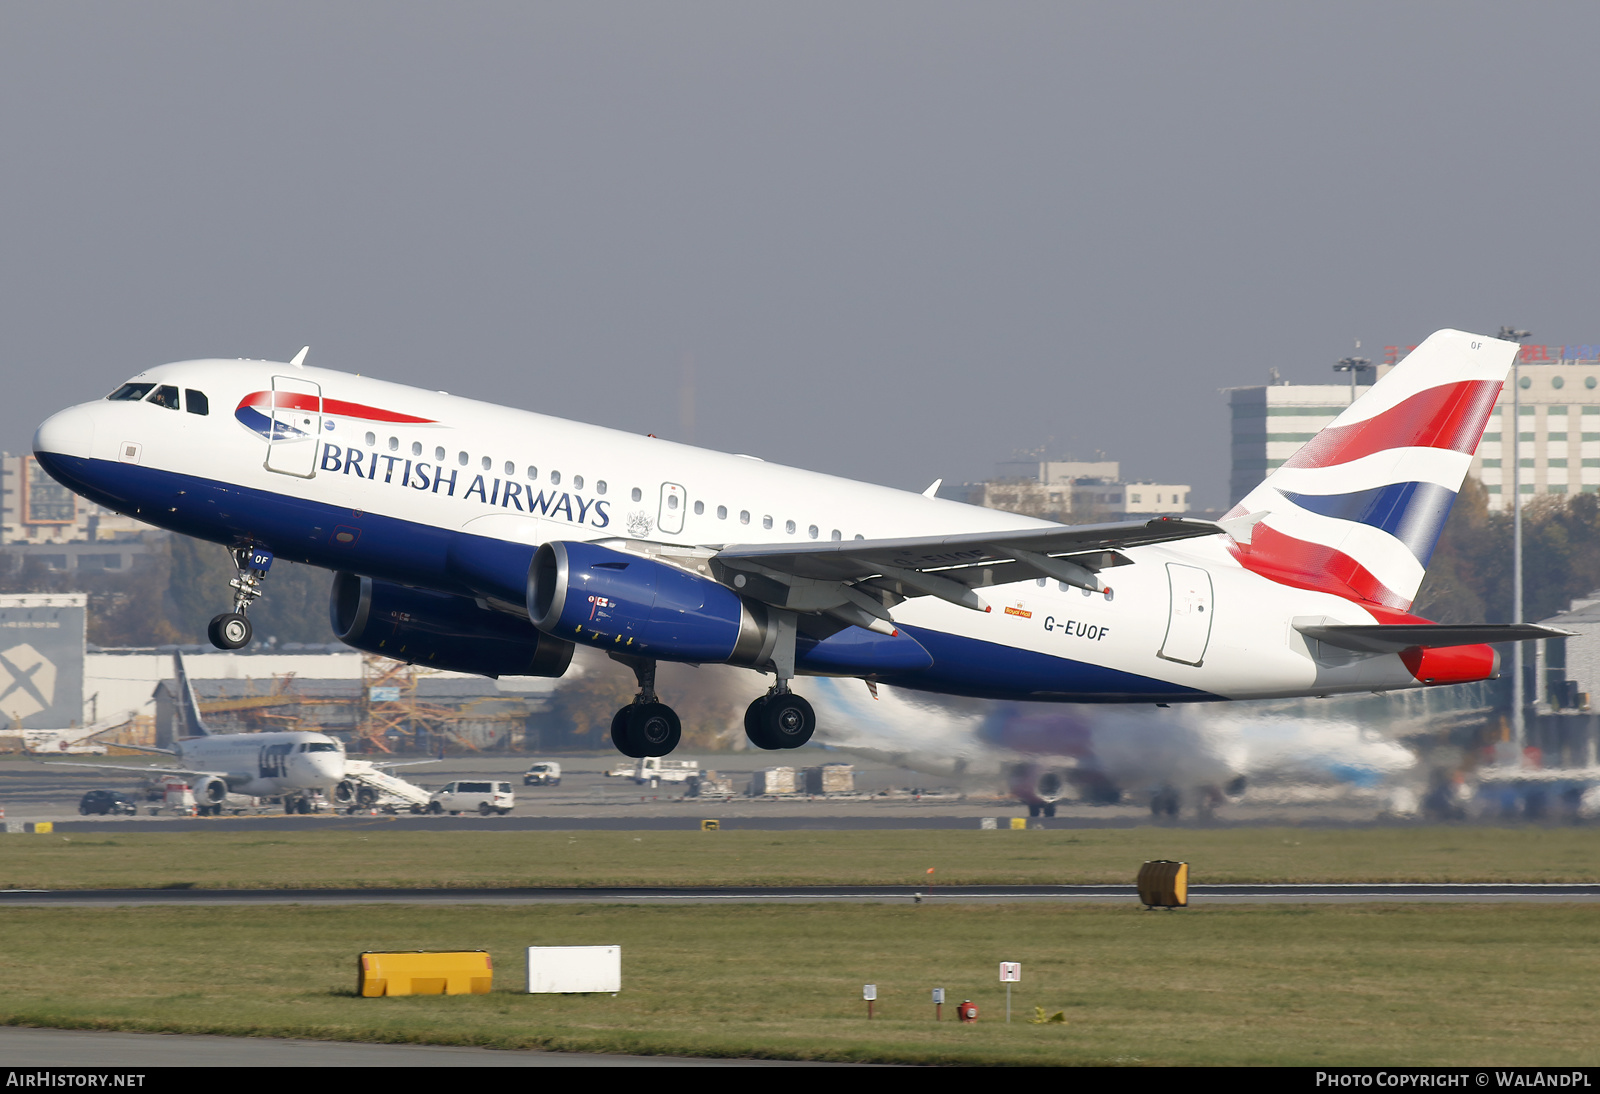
x=1195 y=757
x=485 y=539
x=288 y=765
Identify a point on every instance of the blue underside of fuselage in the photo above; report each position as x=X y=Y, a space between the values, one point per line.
x=410 y=553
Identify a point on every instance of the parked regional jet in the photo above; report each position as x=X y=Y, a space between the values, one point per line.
x=1194 y=757
x=484 y=539
x=288 y=765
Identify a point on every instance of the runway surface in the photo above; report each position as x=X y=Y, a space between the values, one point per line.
x=801 y=894
x=25 y=1047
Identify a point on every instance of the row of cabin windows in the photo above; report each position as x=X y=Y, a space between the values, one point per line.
x=165 y=395
x=487 y=463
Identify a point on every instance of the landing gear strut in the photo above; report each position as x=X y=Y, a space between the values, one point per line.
x=232 y=630
x=780 y=718
x=646 y=726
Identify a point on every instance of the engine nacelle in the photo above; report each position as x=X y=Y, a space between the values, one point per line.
x=629 y=604
x=440 y=630
x=208 y=790
x=1036 y=784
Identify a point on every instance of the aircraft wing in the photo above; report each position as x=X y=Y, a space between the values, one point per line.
x=804 y=577
x=1397 y=637
x=149 y=770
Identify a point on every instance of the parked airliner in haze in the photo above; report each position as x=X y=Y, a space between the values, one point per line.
x=291 y=765
x=485 y=539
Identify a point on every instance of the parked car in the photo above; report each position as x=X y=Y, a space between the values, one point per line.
x=468 y=795
x=543 y=773
x=101 y=802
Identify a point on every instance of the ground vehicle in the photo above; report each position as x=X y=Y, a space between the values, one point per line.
x=543 y=773
x=113 y=802
x=655 y=770
x=466 y=795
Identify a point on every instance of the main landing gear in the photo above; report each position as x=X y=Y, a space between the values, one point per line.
x=780 y=718
x=646 y=726
x=232 y=630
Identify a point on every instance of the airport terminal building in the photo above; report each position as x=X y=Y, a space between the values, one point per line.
x=1559 y=427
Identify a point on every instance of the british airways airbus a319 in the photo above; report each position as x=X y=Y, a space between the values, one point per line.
x=484 y=539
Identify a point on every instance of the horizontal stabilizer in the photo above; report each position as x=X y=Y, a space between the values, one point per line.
x=1396 y=637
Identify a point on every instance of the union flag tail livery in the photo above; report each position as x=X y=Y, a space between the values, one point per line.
x=485 y=539
x=1358 y=510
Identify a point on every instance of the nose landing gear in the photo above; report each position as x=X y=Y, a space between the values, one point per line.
x=232 y=630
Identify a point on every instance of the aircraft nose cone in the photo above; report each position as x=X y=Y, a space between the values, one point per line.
x=69 y=433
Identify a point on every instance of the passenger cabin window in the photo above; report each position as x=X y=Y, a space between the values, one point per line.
x=744 y=516
x=487 y=463
x=788 y=526
x=166 y=395
x=511 y=469
x=766 y=521
x=438 y=454
x=722 y=512
x=637 y=493
x=416 y=448
x=462 y=458
x=372 y=440
x=555 y=478
x=699 y=507
x=812 y=531
x=195 y=402
x=130 y=393
x=600 y=486
x=533 y=472
x=394 y=444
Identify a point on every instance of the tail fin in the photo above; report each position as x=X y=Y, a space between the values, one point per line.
x=186 y=699
x=1358 y=510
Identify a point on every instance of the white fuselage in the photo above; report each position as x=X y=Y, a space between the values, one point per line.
x=267 y=765
x=378 y=477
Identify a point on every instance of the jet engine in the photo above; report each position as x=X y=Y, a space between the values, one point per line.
x=1038 y=787
x=439 y=630
x=626 y=603
x=209 y=792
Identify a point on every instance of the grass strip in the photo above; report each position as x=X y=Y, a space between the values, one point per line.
x=1457 y=985
x=347 y=857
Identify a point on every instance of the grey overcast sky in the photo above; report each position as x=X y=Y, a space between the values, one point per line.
x=893 y=241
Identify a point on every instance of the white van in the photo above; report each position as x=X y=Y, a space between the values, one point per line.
x=467 y=795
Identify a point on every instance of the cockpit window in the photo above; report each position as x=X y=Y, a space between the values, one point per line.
x=195 y=402
x=320 y=746
x=166 y=395
x=130 y=393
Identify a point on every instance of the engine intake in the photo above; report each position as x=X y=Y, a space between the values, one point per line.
x=440 y=630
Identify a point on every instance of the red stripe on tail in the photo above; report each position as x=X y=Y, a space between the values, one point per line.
x=1450 y=416
x=1302 y=565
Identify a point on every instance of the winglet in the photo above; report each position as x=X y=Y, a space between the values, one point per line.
x=933 y=490
x=187 y=700
x=300 y=358
x=1239 y=529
